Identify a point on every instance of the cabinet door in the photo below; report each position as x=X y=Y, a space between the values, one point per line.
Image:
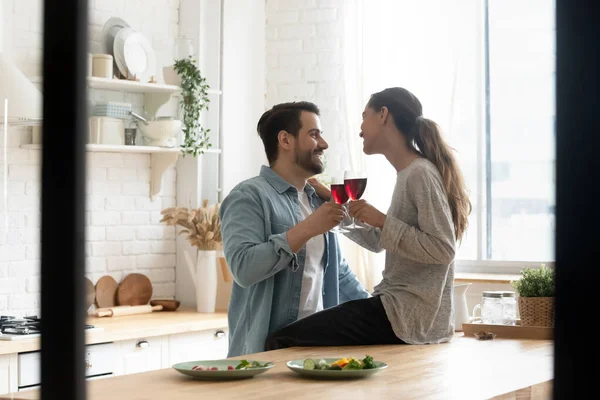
x=139 y=355
x=8 y=373
x=4 y=374
x=203 y=345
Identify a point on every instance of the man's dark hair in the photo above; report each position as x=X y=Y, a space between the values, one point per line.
x=286 y=117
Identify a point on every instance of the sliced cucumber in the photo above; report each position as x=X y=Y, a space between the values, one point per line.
x=309 y=363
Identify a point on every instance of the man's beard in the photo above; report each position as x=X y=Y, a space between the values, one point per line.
x=306 y=161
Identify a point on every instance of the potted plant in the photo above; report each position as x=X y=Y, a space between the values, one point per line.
x=194 y=99
x=202 y=226
x=536 y=296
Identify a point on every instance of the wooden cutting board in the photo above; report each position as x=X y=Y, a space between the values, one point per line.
x=106 y=289
x=135 y=290
x=90 y=293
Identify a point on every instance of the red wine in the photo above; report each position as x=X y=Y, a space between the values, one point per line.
x=338 y=192
x=355 y=187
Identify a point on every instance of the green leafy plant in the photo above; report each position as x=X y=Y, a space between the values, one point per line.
x=194 y=99
x=535 y=282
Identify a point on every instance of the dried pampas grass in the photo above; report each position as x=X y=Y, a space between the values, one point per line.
x=202 y=225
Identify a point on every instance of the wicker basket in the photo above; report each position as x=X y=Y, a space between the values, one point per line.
x=536 y=311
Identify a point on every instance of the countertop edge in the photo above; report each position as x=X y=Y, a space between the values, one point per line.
x=133 y=327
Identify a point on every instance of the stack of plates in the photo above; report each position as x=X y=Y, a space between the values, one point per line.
x=131 y=50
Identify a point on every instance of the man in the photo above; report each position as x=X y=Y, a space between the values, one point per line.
x=285 y=263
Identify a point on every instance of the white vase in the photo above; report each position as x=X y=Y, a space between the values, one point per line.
x=206 y=281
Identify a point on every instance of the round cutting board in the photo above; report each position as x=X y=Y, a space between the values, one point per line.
x=90 y=293
x=106 y=289
x=135 y=290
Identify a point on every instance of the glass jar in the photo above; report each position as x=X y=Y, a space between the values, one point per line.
x=492 y=311
x=509 y=308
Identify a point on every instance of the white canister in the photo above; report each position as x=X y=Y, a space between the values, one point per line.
x=102 y=65
x=106 y=130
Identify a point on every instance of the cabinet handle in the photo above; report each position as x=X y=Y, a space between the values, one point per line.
x=88 y=365
x=142 y=344
x=219 y=334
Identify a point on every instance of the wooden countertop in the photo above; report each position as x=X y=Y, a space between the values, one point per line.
x=158 y=323
x=465 y=368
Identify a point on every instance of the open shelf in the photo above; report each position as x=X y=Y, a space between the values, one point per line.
x=161 y=158
x=130 y=86
x=110 y=148
x=123 y=85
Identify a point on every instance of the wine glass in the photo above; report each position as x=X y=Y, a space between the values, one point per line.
x=355 y=183
x=339 y=196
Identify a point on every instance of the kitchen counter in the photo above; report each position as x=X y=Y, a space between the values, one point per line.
x=157 y=323
x=465 y=368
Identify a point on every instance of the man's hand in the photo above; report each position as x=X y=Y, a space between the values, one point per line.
x=364 y=212
x=325 y=217
x=320 y=221
x=322 y=190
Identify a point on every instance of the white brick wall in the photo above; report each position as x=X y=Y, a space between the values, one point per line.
x=304 y=39
x=123 y=233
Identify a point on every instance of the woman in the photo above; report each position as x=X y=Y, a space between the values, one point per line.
x=427 y=216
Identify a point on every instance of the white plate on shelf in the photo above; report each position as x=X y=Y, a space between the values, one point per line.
x=134 y=55
x=109 y=31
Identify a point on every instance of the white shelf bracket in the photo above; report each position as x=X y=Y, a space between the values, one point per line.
x=153 y=101
x=159 y=163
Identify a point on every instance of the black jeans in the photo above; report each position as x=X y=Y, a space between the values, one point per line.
x=357 y=322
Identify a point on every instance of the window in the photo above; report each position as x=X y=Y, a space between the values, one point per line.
x=521 y=110
x=484 y=70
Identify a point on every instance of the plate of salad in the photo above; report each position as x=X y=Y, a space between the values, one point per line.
x=223 y=369
x=331 y=368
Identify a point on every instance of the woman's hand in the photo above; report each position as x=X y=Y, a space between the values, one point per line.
x=322 y=190
x=364 y=212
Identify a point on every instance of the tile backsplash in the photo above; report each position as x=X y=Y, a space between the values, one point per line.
x=123 y=232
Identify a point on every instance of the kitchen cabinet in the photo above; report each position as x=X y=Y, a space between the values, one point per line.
x=125 y=345
x=142 y=355
x=139 y=355
x=205 y=345
x=8 y=373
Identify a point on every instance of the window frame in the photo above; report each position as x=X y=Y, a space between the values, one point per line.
x=484 y=263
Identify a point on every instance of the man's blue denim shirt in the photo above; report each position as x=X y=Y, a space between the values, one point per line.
x=255 y=218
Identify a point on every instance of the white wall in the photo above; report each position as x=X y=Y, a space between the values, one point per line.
x=123 y=229
x=304 y=62
x=304 y=59
x=243 y=90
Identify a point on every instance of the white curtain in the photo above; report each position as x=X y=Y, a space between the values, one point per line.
x=424 y=46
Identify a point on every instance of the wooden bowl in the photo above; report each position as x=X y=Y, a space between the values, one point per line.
x=168 y=305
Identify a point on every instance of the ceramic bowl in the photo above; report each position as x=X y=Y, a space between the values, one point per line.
x=160 y=133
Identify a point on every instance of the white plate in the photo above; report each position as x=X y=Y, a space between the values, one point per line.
x=109 y=31
x=134 y=55
x=223 y=373
x=298 y=367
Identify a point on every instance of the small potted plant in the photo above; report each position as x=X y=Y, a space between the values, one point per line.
x=536 y=296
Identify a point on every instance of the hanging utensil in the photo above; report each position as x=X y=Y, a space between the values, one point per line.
x=139 y=117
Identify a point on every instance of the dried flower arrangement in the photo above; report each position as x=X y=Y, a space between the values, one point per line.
x=202 y=225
